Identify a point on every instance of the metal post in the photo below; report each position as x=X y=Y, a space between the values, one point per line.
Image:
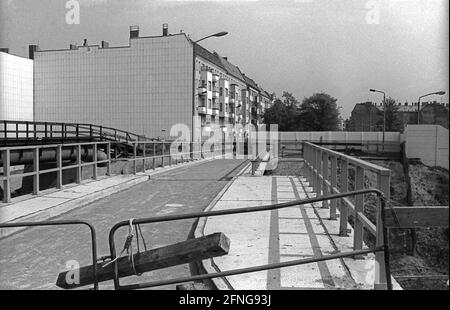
x=325 y=178
x=343 y=206
x=6 y=156
x=36 y=171
x=134 y=157
x=333 y=182
x=359 y=208
x=59 y=177
x=108 y=152
x=319 y=174
x=79 y=171
x=383 y=184
x=384 y=118
x=144 y=154
x=162 y=155
x=154 y=156
x=94 y=159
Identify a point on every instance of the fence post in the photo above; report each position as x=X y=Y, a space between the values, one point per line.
x=333 y=182
x=79 y=171
x=36 y=171
x=6 y=156
x=325 y=178
x=343 y=187
x=59 y=173
x=94 y=159
x=144 y=154
x=134 y=157
x=162 y=155
x=108 y=153
x=319 y=174
x=313 y=166
x=154 y=155
x=359 y=208
x=383 y=183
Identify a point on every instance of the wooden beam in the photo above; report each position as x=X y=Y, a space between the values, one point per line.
x=172 y=255
x=416 y=217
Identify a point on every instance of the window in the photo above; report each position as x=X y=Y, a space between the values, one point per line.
x=209 y=85
x=209 y=103
x=221 y=91
x=226 y=92
x=203 y=83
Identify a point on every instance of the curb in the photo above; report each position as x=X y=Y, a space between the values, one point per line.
x=208 y=265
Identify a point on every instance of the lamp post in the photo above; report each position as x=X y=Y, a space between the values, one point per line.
x=418 y=103
x=384 y=110
x=218 y=34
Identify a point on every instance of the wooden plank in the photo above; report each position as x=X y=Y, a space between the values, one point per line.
x=192 y=287
x=172 y=255
x=416 y=217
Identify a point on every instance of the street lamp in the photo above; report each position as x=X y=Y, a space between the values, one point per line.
x=219 y=34
x=418 y=103
x=384 y=110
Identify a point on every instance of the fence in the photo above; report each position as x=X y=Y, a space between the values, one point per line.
x=328 y=173
x=87 y=154
x=342 y=140
x=82 y=154
x=429 y=143
x=18 y=131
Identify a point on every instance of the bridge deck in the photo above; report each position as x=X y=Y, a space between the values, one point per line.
x=282 y=235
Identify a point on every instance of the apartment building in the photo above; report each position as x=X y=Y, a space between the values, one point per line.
x=368 y=116
x=145 y=87
x=16 y=87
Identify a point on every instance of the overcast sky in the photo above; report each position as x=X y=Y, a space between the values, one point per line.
x=339 y=47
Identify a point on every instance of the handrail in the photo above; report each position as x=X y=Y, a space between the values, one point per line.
x=353 y=160
x=89 y=130
x=322 y=169
x=167 y=218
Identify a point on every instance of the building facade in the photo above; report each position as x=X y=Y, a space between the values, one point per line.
x=368 y=116
x=16 y=87
x=146 y=87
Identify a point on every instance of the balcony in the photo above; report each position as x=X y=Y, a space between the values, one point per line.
x=223 y=114
x=231 y=100
x=215 y=77
x=215 y=111
x=202 y=110
x=202 y=90
x=215 y=93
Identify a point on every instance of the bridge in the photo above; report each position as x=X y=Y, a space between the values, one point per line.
x=306 y=230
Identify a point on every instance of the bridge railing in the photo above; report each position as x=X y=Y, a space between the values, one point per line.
x=28 y=131
x=328 y=173
x=78 y=155
x=172 y=153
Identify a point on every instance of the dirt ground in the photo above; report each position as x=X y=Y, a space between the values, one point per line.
x=429 y=187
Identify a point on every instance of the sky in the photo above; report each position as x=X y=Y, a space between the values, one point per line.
x=341 y=47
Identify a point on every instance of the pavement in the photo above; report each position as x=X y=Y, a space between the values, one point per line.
x=32 y=258
x=282 y=235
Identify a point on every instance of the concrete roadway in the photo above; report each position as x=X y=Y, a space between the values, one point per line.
x=33 y=258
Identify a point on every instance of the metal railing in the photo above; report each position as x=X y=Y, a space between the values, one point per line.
x=173 y=153
x=328 y=173
x=25 y=131
x=78 y=155
x=380 y=248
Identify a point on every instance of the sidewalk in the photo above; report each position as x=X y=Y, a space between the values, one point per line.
x=282 y=235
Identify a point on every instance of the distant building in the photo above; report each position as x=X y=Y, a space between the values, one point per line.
x=16 y=87
x=365 y=116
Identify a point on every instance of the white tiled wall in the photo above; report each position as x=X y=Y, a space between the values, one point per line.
x=144 y=88
x=16 y=88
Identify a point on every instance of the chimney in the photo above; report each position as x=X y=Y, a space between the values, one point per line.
x=105 y=44
x=72 y=46
x=165 y=30
x=4 y=50
x=226 y=58
x=31 y=50
x=85 y=42
x=134 y=32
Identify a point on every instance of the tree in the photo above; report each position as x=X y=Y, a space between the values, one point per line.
x=283 y=112
x=318 y=113
x=393 y=121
